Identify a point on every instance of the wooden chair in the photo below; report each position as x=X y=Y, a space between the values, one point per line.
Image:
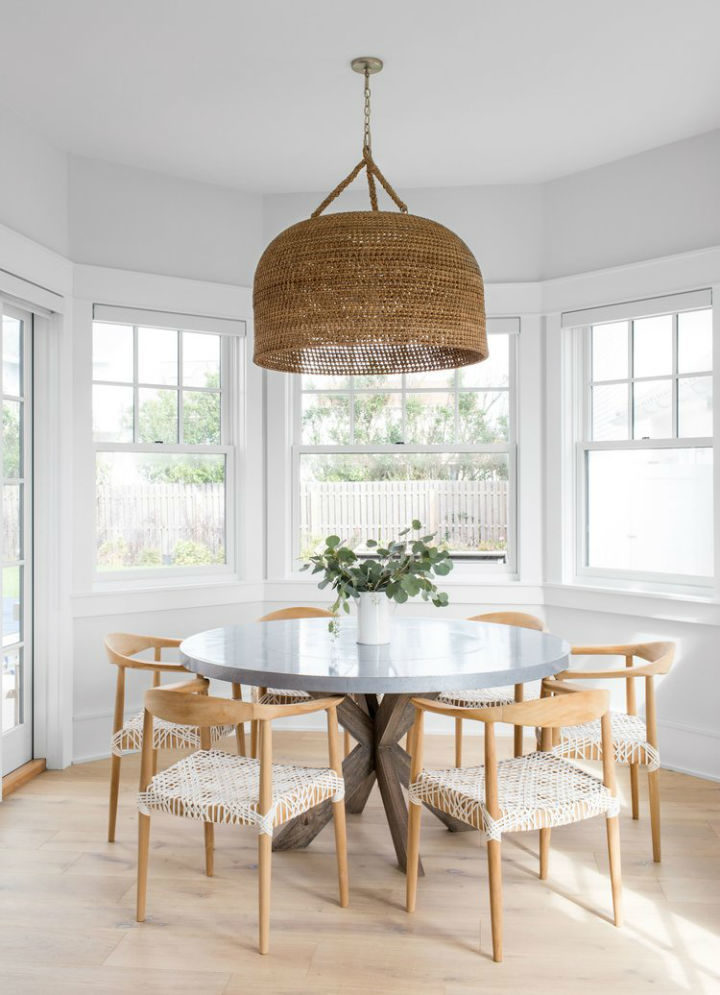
x=635 y=741
x=127 y=737
x=217 y=787
x=491 y=697
x=530 y=792
x=286 y=696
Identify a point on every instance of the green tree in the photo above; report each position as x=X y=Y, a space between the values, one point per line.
x=158 y=422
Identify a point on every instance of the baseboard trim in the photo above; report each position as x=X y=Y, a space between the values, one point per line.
x=20 y=777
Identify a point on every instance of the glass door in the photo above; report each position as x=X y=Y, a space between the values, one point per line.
x=16 y=702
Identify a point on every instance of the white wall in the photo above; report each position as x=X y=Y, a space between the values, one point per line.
x=139 y=220
x=33 y=185
x=654 y=204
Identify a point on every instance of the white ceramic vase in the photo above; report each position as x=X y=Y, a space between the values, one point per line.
x=373 y=618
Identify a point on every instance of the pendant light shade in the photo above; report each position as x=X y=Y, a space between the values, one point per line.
x=368 y=292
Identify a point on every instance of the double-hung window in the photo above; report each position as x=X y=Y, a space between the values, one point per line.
x=372 y=453
x=164 y=441
x=644 y=455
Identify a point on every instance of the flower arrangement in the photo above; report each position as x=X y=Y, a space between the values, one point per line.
x=401 y=569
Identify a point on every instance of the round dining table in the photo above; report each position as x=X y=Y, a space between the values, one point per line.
x=425 y=656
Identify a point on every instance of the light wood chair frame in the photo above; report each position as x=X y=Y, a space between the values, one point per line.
x=279 y=615
x=657 y=658
x=189 y=703
x=523 y=620
x=562 y=705
x=122 y=649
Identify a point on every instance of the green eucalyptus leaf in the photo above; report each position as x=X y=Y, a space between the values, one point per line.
x=416 y=524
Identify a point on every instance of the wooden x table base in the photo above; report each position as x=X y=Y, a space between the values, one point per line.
x=377 y=725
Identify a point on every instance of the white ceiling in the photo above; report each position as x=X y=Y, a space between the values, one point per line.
x=258 y=94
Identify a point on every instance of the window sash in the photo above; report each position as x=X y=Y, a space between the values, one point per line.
x=506 y=326
x=584 y=444
x=229 y=408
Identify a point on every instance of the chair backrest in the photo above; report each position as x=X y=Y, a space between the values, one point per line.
x=296 y=612
x=523 y=620
x=188 y=703
x=567 y=707
x=123 y=647
x=657 y=658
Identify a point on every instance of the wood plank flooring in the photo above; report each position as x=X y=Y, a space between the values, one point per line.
x=67 y=901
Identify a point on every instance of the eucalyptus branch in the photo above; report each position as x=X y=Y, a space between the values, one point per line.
x=398 y=571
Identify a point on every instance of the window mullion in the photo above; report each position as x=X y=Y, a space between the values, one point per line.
x=136 y=390
x=180 y=432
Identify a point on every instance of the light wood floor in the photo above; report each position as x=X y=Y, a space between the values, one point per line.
x=67 y=902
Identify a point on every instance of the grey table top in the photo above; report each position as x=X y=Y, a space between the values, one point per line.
x=424 y=655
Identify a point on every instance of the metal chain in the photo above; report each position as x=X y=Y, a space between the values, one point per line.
x=367 y=142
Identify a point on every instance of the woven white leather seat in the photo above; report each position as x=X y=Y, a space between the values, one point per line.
x=480 y=698
x=282 y=696
x=166 y=736
x=537 y=791
x=222 y=788
x=630 y=745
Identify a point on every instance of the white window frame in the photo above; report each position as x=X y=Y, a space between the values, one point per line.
x=232 y=349
x=479 y=565
x=584 y=444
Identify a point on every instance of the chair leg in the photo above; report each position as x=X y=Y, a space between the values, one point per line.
x=240 y=740
x=518 y=741
x=458 y=742
x=346 y=742
x=209 y=848
x=264 y=858
x=341 y=851
x=142 y=866
x=114 y=791
x=154 y=762
x=254 y=740
x=654 y=799
x=496 y=911
x=634 y=791
x=413 y=855
x=613 y=838
x=544 y=853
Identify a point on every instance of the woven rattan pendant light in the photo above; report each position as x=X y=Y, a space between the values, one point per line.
x=368 y=292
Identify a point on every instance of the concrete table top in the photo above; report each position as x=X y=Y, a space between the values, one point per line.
x=424 y=655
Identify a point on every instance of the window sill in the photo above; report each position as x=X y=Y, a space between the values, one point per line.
x=472 y=588
x=666 y=605
x=170 y=594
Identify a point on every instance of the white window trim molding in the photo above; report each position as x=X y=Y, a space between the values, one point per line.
x=42 y=281
x=660 y=278
x=169 y=295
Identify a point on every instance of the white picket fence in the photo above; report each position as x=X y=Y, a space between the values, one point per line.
x=156 y=517
x=152 y=519
x=468 y=514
